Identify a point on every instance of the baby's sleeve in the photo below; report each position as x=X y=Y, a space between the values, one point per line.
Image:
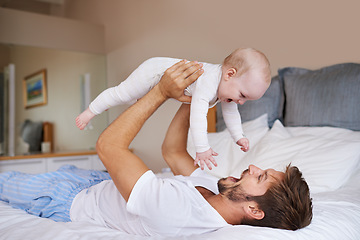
x=203 y=93
x=232 y=120
x=198 y=123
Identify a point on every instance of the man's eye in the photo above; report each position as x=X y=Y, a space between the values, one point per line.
x=259 y=177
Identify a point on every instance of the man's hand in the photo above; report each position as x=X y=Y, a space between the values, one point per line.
x=206 y=157
x=178 y=77
x=244 y=144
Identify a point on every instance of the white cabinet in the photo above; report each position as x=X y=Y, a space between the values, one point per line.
x=49 y=164
x=55 y=163
x=96 y=163
x=32 y=165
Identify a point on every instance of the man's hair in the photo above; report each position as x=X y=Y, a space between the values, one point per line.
x=286 y=204
x=245 y=59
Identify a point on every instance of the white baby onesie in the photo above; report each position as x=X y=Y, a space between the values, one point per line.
x=203 y=92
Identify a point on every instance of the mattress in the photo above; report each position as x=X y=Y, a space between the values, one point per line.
x=328 y=157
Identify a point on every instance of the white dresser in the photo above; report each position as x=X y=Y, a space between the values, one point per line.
x=41 y=163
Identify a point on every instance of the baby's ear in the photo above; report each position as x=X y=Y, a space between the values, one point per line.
x=231 y=72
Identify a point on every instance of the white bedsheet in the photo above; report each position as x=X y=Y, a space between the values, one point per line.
x=336 y=216
x=336 y=213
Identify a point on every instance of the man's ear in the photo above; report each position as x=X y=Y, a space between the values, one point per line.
x=254 y=212
x=231 y=72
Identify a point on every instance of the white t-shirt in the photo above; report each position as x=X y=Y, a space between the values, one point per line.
x=166 y=207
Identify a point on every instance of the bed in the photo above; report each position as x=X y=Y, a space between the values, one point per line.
x=310 y=118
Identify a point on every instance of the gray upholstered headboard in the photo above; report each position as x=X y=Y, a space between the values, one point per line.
x=329 y=96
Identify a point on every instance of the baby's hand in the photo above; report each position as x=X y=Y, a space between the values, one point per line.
x=205 y=157
x=244 y=144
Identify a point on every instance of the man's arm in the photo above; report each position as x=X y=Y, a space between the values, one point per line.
x=124 y=167
x=175 y=142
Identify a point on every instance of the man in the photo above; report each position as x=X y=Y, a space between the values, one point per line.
x=138 y=202
x=262 y=198
x=171 y=210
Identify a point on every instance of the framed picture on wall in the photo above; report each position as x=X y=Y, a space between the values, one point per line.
x=34 y=89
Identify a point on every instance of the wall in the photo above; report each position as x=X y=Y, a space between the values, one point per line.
x=64 y=71
x=23 y=28
x=305 y=33
x=83 y=48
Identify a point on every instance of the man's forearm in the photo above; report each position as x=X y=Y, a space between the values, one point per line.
x=124 y=167
x=174 y=147
x=124 y=129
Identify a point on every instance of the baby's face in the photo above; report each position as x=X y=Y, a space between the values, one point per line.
x=249 y=86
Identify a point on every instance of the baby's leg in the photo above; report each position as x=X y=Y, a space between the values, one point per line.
x=106 y=99
x=84 y=118
x=140 y=81
x=125 y=93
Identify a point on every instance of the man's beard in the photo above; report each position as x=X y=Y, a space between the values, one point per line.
x=234 y=193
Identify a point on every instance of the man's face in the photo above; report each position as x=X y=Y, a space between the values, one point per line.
x=253 y=181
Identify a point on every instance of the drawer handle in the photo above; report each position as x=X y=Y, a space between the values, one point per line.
x=17 y=162
x=67 y=160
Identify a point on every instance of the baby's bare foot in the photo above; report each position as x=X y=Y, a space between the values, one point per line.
x=84 y=118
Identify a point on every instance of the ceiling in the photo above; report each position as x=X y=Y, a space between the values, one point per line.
x=35 y=6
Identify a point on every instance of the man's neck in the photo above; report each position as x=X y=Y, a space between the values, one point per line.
x=222 y=205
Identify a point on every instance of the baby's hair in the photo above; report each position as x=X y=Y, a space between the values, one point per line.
x=245 y=59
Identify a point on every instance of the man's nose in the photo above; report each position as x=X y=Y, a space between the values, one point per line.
x=254 y=170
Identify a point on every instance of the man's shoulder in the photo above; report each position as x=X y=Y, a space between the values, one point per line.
x=200 y=178
x=202 y=173
x=197 y=178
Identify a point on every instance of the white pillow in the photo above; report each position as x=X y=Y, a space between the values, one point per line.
x=325 y=160
x=326 y=132
x=229 y=152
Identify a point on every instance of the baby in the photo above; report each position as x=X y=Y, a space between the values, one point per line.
x=244 y=75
